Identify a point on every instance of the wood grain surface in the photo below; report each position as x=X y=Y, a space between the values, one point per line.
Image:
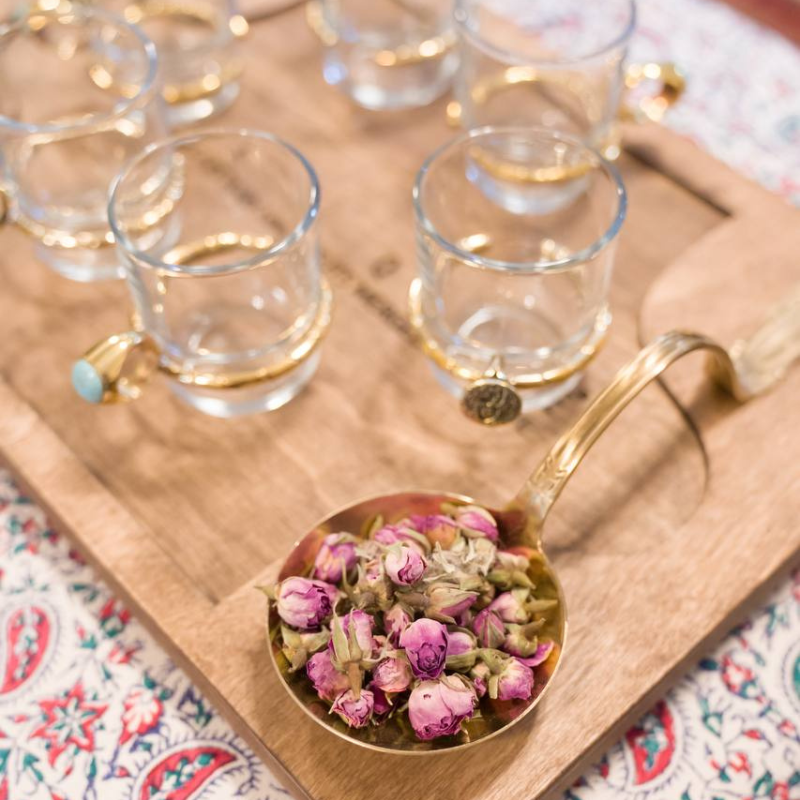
x=678 y=520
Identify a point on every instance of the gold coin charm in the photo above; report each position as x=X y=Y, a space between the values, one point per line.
x=491 y=401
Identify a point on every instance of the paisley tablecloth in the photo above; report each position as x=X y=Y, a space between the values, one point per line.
x=92 y=709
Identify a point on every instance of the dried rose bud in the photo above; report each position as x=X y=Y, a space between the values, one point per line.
x=328 y=681
x=438 y=528
x=540 y=656
x=305 y=603
x=511 y=606
x=489 y=629
x=360 y=624
x=425 y=643
x=511 y=561
x=395 y=621
x=356 y=711
x=404 y=565
x=459 y=642
x=392 y=675
x=298 y=646
x=461 y=653
x=382 y=703
x=515 y=681
x=476 y=521
x=373 y=588
x=521 y=640
x=446 y=601
x=402 y=533
x=480 y=675
x=336 y=557
x=437 y=708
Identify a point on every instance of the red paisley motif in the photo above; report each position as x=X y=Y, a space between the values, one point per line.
x=652 y=743
x=210 y=760
x=24 y=657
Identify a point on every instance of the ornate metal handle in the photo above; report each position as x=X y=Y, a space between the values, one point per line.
x=653 y=106
x=749 y=369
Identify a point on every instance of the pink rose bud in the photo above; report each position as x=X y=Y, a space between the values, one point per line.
x=477 y=520
x=355 y=711
x=459 y=642
x=392 y=675
x=480 y=675
x=510 y=606
x=461 y=653
x=438 y=528
x=448 y=601
x=404 y=565
x=522 y=640
x=437 y=708
x=425 y=643
x=327 y=680
x=382 y=704
x=515 y=681
x=362 y=624
x=336 y=556
x=540 y=656
x=489 y=629
x=395 y=621
x=305 y=603
x=402 y=533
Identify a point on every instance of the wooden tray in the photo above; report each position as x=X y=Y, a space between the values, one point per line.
x=666 y=536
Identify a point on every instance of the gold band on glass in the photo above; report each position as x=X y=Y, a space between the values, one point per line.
x=491 y=397
x=177 y=93
x=106 y=363
x=653 y=106
x=405 y=55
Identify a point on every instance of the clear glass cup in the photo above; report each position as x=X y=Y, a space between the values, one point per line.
x=200 y=56
x=387 y=54
x=235 y=306
x=558 y=64
x=516 y=233
x=63 y=138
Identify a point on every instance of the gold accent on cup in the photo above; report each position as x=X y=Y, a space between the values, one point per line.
x=651 y=107
x=187 y=92
x=109 y=357
x=488 y=395
x=405 y=55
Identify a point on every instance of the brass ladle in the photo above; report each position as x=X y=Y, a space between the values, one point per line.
x=748 y=369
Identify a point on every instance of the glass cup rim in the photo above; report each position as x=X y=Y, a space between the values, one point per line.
x=461 y=15
x=121 y=108
x=521 y=267
x=181 y=140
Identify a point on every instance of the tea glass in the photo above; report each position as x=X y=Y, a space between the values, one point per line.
x=386 y=54
x=198 y=43
x=63 y=139
x=516 y=234
x=234 y=310
x=558 y=64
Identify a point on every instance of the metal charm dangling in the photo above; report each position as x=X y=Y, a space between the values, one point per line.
x=492 y=400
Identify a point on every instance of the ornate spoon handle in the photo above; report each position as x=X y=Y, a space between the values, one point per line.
x=752 y=367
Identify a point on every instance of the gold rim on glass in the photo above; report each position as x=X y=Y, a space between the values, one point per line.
x=405 y=55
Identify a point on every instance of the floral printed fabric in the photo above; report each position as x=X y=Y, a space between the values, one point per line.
x=90 y=707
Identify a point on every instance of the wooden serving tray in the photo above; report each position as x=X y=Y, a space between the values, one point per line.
x=669 y=532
